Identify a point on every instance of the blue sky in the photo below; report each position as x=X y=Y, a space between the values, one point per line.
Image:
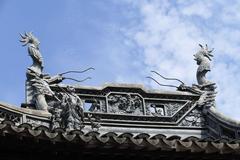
x=124 y=40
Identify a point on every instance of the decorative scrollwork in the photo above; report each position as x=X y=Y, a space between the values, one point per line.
x=5 y=115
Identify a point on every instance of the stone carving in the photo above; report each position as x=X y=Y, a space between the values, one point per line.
x=203 y=58
x=172 y=108
x=204 y=88
x=68 y=112
x=96 y=106
x=125 y=104
x=194 y=118
x=94 y=121
x=66 y=107
x=41 y=90
x=5 y=115
x=207 y=99
x=37 y=84
x=72 y=109
x=163 y=109
x=155 y=110
x=33 y=51
x=56 y=118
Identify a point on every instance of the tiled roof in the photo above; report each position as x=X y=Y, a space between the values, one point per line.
x=125 y=140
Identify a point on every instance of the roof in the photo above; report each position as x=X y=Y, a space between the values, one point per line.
x=122 y=118
x=95 y=142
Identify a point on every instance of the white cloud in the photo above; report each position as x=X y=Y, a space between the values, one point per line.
x=230 y=13
x=198 y=8
x=168 y=35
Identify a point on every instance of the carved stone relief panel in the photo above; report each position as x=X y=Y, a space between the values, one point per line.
x=156 y=109
x=162 y=108
x=172 y=108
x=194 y=118
x=125 y=103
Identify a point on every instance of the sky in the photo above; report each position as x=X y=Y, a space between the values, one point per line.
x=123 y=40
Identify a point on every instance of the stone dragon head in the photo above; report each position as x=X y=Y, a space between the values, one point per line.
x=28 y=38
x=204 y=53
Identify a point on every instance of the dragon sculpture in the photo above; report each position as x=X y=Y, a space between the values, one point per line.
x=65 y=106
x=33 y=51
x=36 y=86
x=204 y=88
x=203 y=58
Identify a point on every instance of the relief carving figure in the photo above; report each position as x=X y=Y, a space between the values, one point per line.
x=194 y=118
x=136 y=105
x=154 y=110
x=72 y=110
x=68 y=112
x=118 y=103
x=56 y=118
x=125 y=104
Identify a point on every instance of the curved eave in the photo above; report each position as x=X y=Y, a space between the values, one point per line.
x=222 y=118
x=123 y=141
x=26 y=111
